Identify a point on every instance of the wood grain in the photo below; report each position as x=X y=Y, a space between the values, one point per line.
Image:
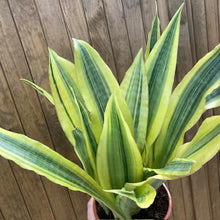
x=117 y=29
x=120 y=40
x=39 y=69
x=11 y=198
x=148 y=9
x=14 y=62
x=75 y=19
x=163 y=14
x=133 y=18
x=99 y=33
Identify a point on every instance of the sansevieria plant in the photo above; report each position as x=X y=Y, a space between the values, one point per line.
x=128 y=137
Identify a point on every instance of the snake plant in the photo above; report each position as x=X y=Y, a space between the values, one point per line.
x=128 y=137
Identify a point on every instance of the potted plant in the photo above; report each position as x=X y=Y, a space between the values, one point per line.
x=128 y=137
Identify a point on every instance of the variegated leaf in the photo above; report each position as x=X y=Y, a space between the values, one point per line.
x=70 y=106
x=33 y=155
x=213 y=99
x=96 y=82
x=177 y=168
x=160 y=68
x=39 y=90
x=135 y=90
x=143 y=195
x=118 y=158
x=186 y=106
x=204 y=145
x=154 y=34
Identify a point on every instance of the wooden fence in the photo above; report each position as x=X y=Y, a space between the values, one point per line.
x=117 y=29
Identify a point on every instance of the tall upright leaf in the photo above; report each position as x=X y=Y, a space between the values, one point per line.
x=118 y=158
x=96 y=82
x=187 y=105
x=70 y=107
x=135 y=90
x=160 y=68
x=154 y=34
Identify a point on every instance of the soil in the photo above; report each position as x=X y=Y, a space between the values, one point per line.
x=157 y=210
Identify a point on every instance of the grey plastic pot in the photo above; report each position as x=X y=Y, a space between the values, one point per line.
x=92 y=213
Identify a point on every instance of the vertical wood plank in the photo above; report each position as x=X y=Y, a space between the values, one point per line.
x=119 y=36
x=163 y=13
x=54 y=27
x=200 y=29
x=133 y=18
x=148 y=9
x=191 y=29
x=75 y=19
x=211 y=8
x=200 y=195
x=11 y=199
x=212 y=167
x=13 y=61
x=178 y=211
x=187 y=197
x=98 y=30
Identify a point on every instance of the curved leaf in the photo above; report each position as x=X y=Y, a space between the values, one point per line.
x=177 y=168
x=143 y=195
x=204 y=145
x=40 y=90
x=135 y=90
x=33 y=155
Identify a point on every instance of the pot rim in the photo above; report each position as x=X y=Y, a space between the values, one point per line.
x=92 y=213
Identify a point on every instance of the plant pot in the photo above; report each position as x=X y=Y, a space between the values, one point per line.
x=93 y=215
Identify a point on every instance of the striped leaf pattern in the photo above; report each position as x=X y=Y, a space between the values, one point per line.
x=135 y=90
x=160 y=68
x=177 y=168
x=186 y=105
x=96 y=82
x=81 y=151
x=154 y=34
x=39 y=90
x=204 y=145
x=118 y=158
x=70 y=106
x=33 y=155
x=213 y=99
